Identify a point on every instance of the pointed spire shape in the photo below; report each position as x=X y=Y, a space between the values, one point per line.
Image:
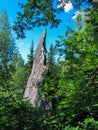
x=32 y=91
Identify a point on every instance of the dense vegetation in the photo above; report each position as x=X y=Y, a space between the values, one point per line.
x=71 y=84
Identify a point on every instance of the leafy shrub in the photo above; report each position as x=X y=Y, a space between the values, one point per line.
x=89 y=124
x=17 y=114
x=71 y=128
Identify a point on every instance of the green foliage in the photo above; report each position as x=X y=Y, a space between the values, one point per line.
x=19 y=78
x=7 y=50
x=89 y=124
x=71 y=128
x=35 y=14
x=51 y=58
x=31 y=56
x=41 y=13
x=49 y=87
x=70 y=86
x=16 y=113
x=77 y=90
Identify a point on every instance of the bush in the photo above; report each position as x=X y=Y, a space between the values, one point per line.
x=17 y=114
x=89 y=124
x=71 y=128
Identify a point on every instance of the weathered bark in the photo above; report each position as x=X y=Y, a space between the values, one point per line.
x=32 y=91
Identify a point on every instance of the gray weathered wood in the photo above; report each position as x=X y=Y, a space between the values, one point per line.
x=32 y=91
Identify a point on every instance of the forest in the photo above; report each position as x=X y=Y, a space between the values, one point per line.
x=72 y=81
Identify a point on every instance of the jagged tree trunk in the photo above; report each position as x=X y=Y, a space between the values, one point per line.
x=32 y=91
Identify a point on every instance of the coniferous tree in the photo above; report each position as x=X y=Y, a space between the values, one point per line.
x=49 y=87
x=19 y=74
x=7 y=49
x=51 y=58
x=31 y=55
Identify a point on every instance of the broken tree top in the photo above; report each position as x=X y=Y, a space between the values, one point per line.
x=32 y=91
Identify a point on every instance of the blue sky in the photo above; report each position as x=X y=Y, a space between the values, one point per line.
x=11 y=7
